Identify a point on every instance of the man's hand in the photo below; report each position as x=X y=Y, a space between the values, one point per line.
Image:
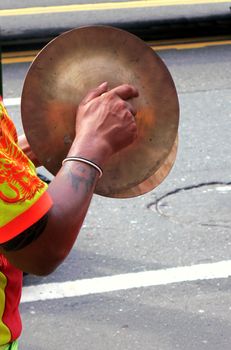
x=105 y=122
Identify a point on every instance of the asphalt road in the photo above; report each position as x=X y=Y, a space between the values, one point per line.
x=184 y=222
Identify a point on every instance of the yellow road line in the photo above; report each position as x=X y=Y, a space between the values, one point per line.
x=188 y=46
x=103 y=6
x=28 y=56
x=17 y=60
x=19 y=54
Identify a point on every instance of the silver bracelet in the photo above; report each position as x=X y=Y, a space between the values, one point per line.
x=84 y=160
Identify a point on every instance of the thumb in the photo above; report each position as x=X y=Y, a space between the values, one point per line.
x=99 y=90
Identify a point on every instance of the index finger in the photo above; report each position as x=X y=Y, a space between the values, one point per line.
x=102 y=88
x=126 y=91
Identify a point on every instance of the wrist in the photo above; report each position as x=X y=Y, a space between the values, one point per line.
x=84 y=160
x=89 y=148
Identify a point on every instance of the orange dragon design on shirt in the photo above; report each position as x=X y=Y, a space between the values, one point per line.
x=17 y=174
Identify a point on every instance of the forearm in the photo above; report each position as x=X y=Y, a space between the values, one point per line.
x=71 y=191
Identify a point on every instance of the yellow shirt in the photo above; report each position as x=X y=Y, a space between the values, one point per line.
x=23 y=196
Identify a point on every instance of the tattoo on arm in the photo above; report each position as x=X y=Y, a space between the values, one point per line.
x=82 y=178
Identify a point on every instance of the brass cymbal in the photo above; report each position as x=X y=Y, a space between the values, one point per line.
x=154 y=180
x=79 y=60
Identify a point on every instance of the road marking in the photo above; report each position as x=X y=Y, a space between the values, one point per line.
x=103 y=6
x=189 y=46
x=12 y=102
x=127 y=281
x=12 y=60
x=29 y=56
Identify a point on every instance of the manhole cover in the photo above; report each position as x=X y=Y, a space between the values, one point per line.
x=204 y=204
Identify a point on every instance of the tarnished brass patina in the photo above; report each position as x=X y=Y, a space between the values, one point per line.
x=79 y=60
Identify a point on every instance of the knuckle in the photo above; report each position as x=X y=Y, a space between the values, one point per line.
x=122 y=105
x=128 y=115
x=134 y=126
x=127 y=86
x=109 y=96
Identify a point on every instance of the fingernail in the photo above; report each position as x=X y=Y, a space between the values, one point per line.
x=103 y=84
